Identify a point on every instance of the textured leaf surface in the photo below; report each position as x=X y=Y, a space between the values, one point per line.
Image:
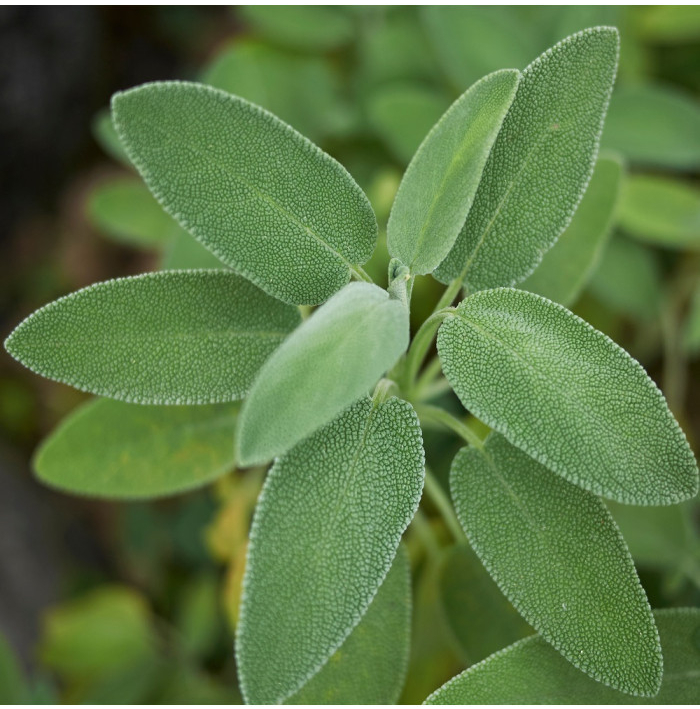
x=540 y=164
x=558 y=555
x=661 y=210
x=177 y=337
x=113 y=449
x=567 y=395
x=262 y=198
x=532 y=672
x=438 y=187
x=654 y=125
x=325 y=532
x=370 y=666
x=332 y=360
x=567 y=266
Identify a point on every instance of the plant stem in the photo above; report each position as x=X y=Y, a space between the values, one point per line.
x=359 y=274
x=420 y=346
x=450 y=294
x=438 y=497
x=425 y=532
x=463 y=430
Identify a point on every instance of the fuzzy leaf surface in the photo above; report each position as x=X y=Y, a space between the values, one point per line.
x=113 y=449
x=557 y=554
x=567 y=395
x=370 y=666
x=532 y=672
x=438 y=187
x=324 y=534
x=260 y=196
x=567 y=266
x=175 y=337
x=540 y=164
x=330 y=361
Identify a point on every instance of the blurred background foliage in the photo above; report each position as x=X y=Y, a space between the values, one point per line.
x=136 y=602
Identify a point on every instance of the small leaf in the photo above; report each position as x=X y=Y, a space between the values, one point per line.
x=567 y=395
x=568 y=265
x=480 y=617
x=332 y=360
x=438 y=187
x=176 y=337
x=654 y=125
x=262 y=198
x=540 y=164
x=558 y=555
x=661 y=210
x=326 y=529
x=370 y=666
x=532 y=672
x=105 y=134
x=185 y=252
x=112 y=449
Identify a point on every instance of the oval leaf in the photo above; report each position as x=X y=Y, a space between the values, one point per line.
x=558 y=555
x=370 y=666
x=532 y=672
x=112 y=449
x=540 y=164
x=438 y=187
x=567 y=395
x=332 y=360
x=325 y=532
x=178 y=337
x=265 y=200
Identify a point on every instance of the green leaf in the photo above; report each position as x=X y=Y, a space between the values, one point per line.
x=176 y=337
x=325 y=531
x=185 y=252
x=558 y=555
x=330 y=361
x=655 y=126
x=438 y=187
x=480 y=617
x=540 y=164
x=105 y=134
x=112 y=449
x=691 y=327
x=124 y=209
x=661 y=210
x=293 y=221
x=567 y=395
x=402 y=114
x=309 y=28
x=567 y=266
x=370 y=666
x=13 y=685
x=672 y=24
x=532 y=672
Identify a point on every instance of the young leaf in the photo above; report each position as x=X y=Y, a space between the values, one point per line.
x=532 y=672
x=438 y=187
x=567 y=266
x=185 y=252
x=105 y=134
x=112 y=449
x=661 y=210
x=176 y=337
x=260 y=196
x=370 y=666
x=325 y=532
x=558 y=555
x=567 y=395
x=480 y=617
x=332 y=360
x=540 y=164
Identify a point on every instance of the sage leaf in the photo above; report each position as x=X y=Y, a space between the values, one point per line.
x=532 y=672
x=557 y=554
x=185 y=252
x=324 y=534
x=175 y=337
x=260 y=196
x=567 y=395
x=370 y=666
x=661 y=211
x=567 y=266
x=481 y=619
x=330 y=361
x=540 y=164
x=112 y=449
x=438 y=187
x=105 y=134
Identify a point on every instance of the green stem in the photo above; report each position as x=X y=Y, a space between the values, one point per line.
x=359 y=274
x=425 y=532
x=463 y=430
x=430 y=373
x=438 y=497
x=420 y=346
x=450 y=294
x=385 y=388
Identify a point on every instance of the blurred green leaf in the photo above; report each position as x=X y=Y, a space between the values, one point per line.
x=105 y=134
x=691 y=326
x=13 y=685
x=668 y=24
x=199 y=619
x=185 y=252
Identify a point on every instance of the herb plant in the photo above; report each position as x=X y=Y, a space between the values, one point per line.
x=506 y=189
